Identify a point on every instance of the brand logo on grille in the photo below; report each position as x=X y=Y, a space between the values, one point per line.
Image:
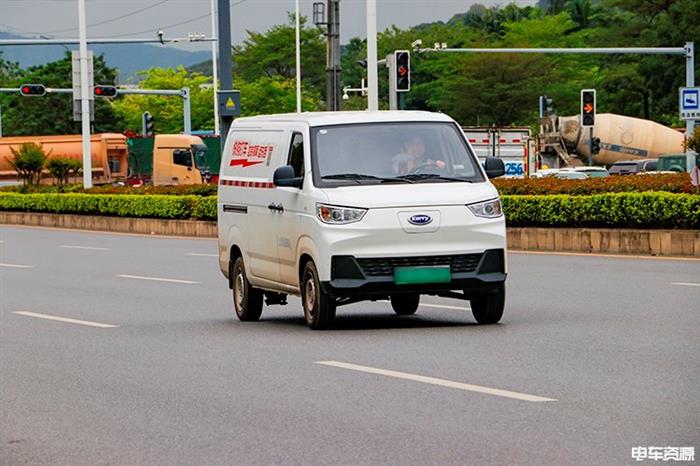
x=420 y=219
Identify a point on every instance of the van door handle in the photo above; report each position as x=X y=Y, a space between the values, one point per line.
x=276 y=207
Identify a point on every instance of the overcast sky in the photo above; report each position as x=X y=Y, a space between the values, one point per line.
x=59 y=18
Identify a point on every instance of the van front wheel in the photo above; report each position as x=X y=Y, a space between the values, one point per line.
x=319 y=308
x=247 y=301
x=487 y=308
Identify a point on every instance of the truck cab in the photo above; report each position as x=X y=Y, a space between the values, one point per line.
x=178 y=159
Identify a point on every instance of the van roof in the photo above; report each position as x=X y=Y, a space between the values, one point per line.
x=339 y=118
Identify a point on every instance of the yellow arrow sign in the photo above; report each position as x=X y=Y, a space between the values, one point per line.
x=230 y=103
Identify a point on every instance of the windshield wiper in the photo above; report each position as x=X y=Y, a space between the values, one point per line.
x=359 y=176
x=432 y=176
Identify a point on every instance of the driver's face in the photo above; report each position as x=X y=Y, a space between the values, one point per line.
x=415 y=147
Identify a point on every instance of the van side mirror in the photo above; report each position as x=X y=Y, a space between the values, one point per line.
x=494 y=167
x=285 y=176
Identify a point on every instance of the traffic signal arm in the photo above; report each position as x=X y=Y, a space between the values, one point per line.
x=32 y=90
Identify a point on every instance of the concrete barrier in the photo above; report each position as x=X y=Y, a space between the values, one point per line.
x=582 y=240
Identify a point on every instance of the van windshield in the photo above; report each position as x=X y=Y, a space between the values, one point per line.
x=372 y=153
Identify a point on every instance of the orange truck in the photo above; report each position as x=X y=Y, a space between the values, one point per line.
x=109 y=154
x=176 y=159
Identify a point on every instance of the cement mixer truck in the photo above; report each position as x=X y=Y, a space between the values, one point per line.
x=562 y=141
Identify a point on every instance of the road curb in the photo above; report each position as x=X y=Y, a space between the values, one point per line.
x=580 y=240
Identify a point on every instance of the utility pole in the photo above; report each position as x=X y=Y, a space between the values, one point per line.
x=215 y=71
x=333 y=68
x=84 y=97
x=225 y=60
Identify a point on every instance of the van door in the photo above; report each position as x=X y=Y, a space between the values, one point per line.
x=256 y=155
x=292 y=201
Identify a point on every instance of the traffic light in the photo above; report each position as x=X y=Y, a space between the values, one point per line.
x=588 y=107
x=32 y=90
x=403 y=70
x=546 y=106
x=105 y=91
x=595 y=146
x=147 y=124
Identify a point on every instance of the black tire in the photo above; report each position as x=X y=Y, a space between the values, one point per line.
x=487 y=308
x=405 y=304
x=319 y=308
x=247 y=301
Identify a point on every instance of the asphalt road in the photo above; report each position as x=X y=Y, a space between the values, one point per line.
x=613 y=343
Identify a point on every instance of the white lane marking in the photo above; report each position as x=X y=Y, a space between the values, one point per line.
x=88 y=248
x=199 y=254
x=17 y=266
x=157 y=279
x=685 y=284
x=65 y=319
x=436 y=381
x=444 y=306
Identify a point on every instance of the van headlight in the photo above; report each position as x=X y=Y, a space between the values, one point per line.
x=487 y=209
x=336 y=215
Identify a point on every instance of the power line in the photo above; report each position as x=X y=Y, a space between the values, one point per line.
x=191 y=20
x=116 y=18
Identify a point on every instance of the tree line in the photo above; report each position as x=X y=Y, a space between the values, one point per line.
x=476 y=89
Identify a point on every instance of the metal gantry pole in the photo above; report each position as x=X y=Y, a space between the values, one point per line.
x=372 y=79
x=225 y=60
x=689 y=82
x=297 y=53
x=214 y=70
x=84 y=97
x=333 y=68
x=186 y=112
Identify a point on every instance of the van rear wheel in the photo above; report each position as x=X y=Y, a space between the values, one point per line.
x=319 y=308
x=405 y=304
x=487 y=308
x=247 y=301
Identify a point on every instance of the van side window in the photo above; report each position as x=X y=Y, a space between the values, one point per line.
x=296 y=154
x=182 y=157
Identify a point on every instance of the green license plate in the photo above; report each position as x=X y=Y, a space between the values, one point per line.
x=417 y=275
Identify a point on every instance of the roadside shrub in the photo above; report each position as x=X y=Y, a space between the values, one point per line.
x=610 y=210
x=154 y=206
x=62 y=168
x=28 y=161
x=194 y=190
x=674 y=183
x=205 y=208
x=619 y=210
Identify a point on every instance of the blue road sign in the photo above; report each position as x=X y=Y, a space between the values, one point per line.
x=690 y=103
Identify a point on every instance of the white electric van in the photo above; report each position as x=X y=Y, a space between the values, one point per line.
x=348 y=206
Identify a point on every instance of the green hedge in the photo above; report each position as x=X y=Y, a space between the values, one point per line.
x=619 y=210
x=122 y=205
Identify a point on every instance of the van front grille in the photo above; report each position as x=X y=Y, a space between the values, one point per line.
x=382 y=266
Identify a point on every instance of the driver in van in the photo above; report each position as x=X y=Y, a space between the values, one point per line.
x=413 y=157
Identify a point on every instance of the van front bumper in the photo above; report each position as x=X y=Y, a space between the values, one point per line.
x=373 y=278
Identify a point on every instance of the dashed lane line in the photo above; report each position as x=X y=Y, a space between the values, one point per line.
x=65 y=319
x=436 y=381
x=87 y=248
x=17 y=266
x=685 y=284
x=158 y=279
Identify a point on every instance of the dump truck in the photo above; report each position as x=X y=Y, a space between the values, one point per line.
x=172 y=159
x=562 y=141
x=109 y=154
